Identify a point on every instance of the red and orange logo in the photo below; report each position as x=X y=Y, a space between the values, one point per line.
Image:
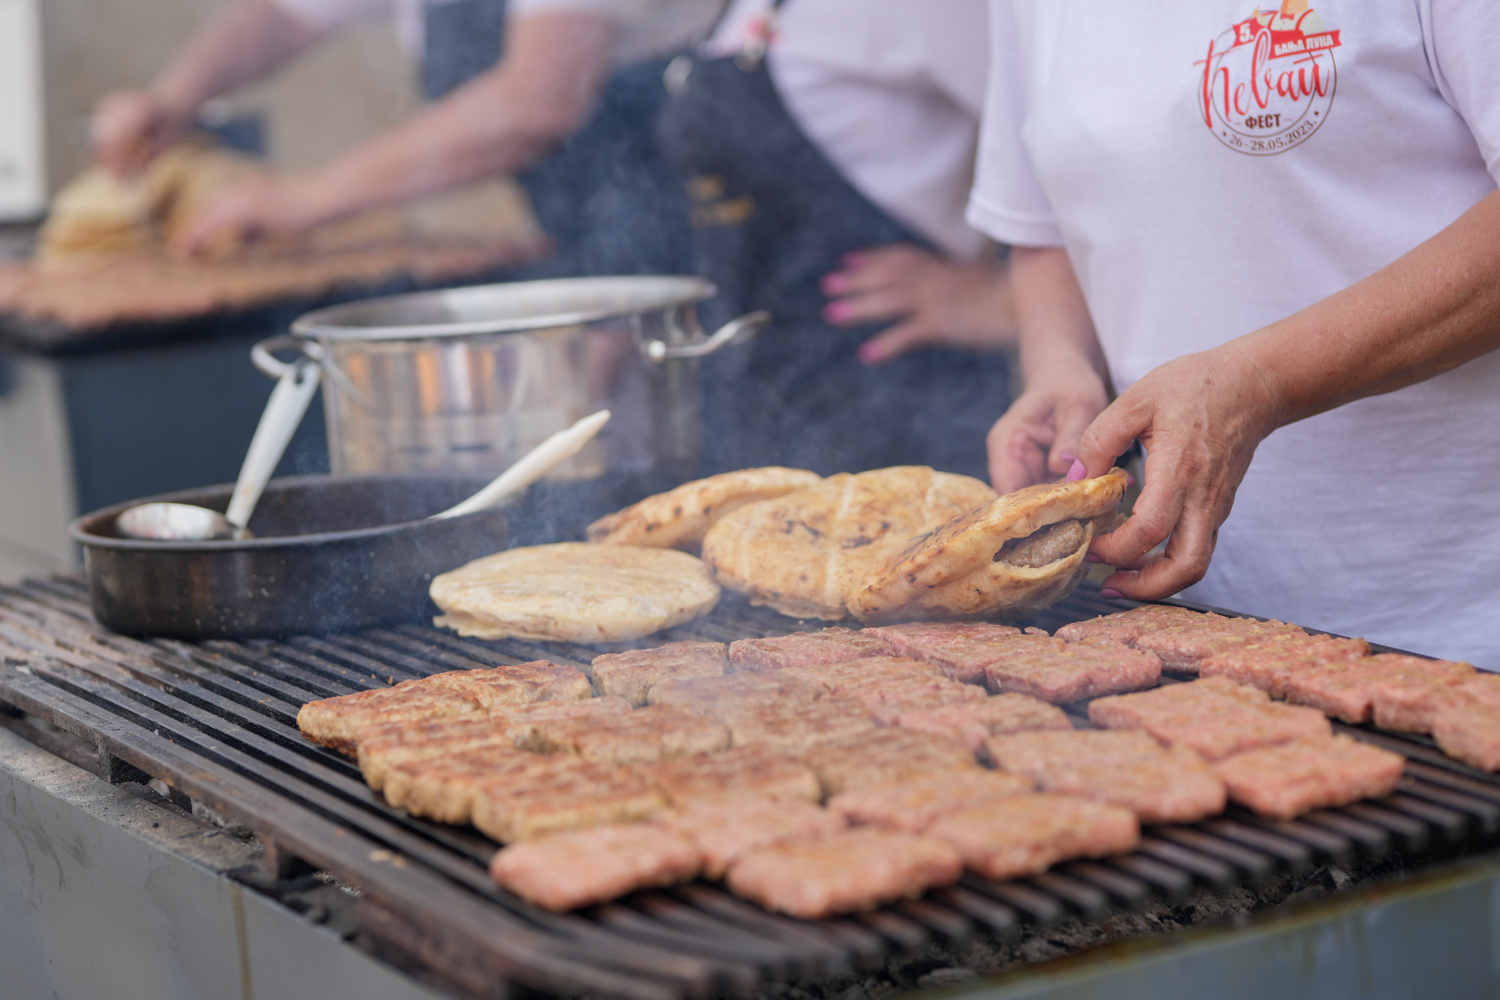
x=1268 y=82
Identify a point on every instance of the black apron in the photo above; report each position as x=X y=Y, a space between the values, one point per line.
x=608 y=198
x=770 y=217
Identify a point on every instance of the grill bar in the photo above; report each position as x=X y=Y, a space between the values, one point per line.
x=216 y=721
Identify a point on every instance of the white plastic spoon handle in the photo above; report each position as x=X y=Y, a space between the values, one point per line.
x=533 y=465
x=284 y=411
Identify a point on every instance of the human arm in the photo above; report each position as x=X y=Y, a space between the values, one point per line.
x=929 y=300
x=543 y=88
x=1062 y=369
x=1201 y=416
x=242 y=43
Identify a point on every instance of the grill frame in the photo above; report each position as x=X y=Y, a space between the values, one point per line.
x=216 y=722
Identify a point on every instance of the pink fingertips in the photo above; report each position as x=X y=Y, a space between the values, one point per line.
x=1076 y=471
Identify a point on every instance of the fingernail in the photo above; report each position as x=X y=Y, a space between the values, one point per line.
x=836 y=312
x=1076 y=471
x=869 y=352
x=853 y=261
x=834 y=284
x=1108 y=592
x=1090 y=557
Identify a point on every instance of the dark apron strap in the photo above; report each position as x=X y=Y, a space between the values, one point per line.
x=462 y=39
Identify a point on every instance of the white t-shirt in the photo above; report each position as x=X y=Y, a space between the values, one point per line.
x=648 y=28
x=1319 y=157
x=890 y=91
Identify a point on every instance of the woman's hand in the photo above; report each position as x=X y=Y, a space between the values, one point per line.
x=1036 y=441
x=930 y=301
x=259 y=208
x=1200 y=419
x=130 y=127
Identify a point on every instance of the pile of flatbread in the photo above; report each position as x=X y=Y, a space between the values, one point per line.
x=899 y=544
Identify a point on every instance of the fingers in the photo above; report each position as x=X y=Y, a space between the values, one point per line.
x=895 y=341
x=1183 y=564
x=1110 y=435
x=1071 y=422
x=1017 y=445
x=886 y=303
x=1152 y=522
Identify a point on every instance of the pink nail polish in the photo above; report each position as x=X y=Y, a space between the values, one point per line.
x=1076 y=471
x=834 y=284
x=1109 y=592
x=868 y=353
x=836 y=312
x=1090 y=557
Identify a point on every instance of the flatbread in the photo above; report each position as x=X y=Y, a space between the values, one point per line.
x=1018 y=553
x=678 y=519
x=805 y=553
x=574 y=592
x=96 y=213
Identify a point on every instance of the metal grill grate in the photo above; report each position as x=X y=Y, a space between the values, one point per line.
x=217 y=722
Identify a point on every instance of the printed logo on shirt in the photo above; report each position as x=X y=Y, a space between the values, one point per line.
x=1268 y=81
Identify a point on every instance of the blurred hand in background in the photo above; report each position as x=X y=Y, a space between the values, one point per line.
x=929 y=300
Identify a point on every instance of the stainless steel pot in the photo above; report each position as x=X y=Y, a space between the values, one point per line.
x=467 y=380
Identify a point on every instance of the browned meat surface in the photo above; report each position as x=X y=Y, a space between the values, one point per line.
x=444 y=789
x=1127 y=626
x=570 y=795
x=1287 y=780
x=751 y=772
x=583 y=867
x=1270 y=665
x=716 y=695
x=645 y=734
x=386 y=744
x=849 y=871
x=724 y=832
x=885 y=757
x=1183 y=646
x=973 y=723
x=518 y=684
x=962 y=649
x=1214 y=716
x=633 y=673
x=805 y=649
x=1123 y=767
x=796 y=728
x=1027 y=834
x=1467 y=724
x=333 y=722
x=913 y=805
x=1400 y=690
x=526 y=725
x=1061 y=672
x=1045 y=545
x=847 y=678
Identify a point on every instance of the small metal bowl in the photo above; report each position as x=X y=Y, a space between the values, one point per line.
x=330 y=554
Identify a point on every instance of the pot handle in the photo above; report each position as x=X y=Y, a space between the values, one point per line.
x=736 y=331
x=262 y=358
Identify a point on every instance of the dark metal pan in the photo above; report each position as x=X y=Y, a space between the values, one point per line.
x=331 y=553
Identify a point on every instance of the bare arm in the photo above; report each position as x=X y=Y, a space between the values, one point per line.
x=540 y=92
x=1063 y=371
x=243 y=43
x=1201 y=416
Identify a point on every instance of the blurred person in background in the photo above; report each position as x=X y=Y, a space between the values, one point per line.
x=828 y=148
x=574 y=84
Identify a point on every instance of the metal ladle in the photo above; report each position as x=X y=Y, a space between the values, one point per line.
x=186 y=522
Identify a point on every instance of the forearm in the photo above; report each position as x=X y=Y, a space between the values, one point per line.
x=1430 y=311
x=1055 y=328
x=241 y=44
x=501 y=122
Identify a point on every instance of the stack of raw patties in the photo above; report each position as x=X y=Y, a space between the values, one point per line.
x=824 y=772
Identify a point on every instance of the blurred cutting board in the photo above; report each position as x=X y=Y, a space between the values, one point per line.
x=100 y=258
